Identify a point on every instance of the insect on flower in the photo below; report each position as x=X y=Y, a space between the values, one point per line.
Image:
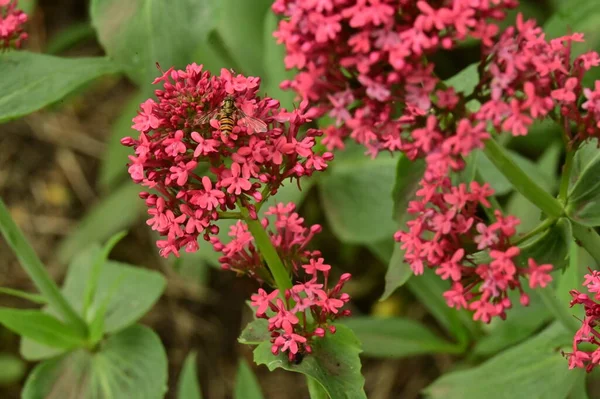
x=229 y=113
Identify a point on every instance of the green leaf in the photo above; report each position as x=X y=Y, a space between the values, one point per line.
x=532 y=369
x=131 y=364
x=115 y=212
x=408 y=176
x=137 y=292
x=502 y=185
x=466 y=80
x=356 y=194
x=550 y=247
x=397 y=337
x=256 y=332
x=585 y=154
x=13 y=369
x=240 y=28
x=246 y=385
x=188 y=386
x=583 y=202
x=113 y=169
x=35 y=298
x=398 y=272
x=40 y=327
x=429 y=289
x=275 y=71
x=140 y=33
x=520 y=324
x=69 y=37
x=334 y=363
x=32 y=81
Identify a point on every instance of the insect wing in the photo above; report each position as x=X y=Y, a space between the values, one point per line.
x=253 y=123
x=207 y=117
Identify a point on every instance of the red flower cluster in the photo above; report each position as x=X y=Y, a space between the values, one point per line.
x=445 y=236
x=588 y=331
x=360 y=60
x=201 y=171
x=291 y=329
x=11 y=25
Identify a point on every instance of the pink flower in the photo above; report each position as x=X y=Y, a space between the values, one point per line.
x=146 y=120
x=539 y=274
x=12 y=34
x=262 y=300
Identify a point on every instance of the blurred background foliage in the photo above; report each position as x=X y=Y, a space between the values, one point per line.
x=63 y=174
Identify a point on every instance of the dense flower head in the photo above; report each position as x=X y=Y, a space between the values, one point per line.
x=199 y=169
x=12 y=20
x=292 y=331
x=588 y=333
x=360 y=60
x=447 y=235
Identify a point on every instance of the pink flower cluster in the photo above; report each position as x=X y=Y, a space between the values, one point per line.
x=588 y=332
x=527 y=77
x=359 y=61
x=291 y=329
x=12 y=20
x=447 y=233
x=201 y=173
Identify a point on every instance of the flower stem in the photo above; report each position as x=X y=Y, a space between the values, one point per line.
x=589 y=239
x=37 y=271
x=558 y=309
x=269 y=253
x=537 y=230
x=521 y=181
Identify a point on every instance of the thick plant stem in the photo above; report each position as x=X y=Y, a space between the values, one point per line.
x=521 y=181
x=268 y=252
x=37 y=272
x=589 y=239
x=558 y=308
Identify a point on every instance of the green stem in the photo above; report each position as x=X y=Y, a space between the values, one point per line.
x=566 y=175
x=589 y=239
x=537 y=230
x=37 y=272
x=558 y=309
x=230 y=215
x=521 y=181
x=269 y=253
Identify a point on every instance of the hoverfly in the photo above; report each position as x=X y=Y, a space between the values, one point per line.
x=228 y=113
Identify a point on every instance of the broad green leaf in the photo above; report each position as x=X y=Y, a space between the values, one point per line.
x=115 y=212
x=140 y=33
x=240 y=28
x=585 y=154
x=113 y=169
x=138 y=289
x=398 y=272
x=256 y=332
x=550 y=247
x=533 y=369
x=583 y=203
x=275 y=71
x=40 y=327
x=32 y=81
x=334 y=363
x=246 y=384
x=429 y=289
x=408 y=176
x=188 y=386
x=131 y=364
x=466 y=80
x=571 y=278
x=356 y=194
x=397 y=337
x=577 y=16
x=12 y=369
x=521 y=322
x=502 y=185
